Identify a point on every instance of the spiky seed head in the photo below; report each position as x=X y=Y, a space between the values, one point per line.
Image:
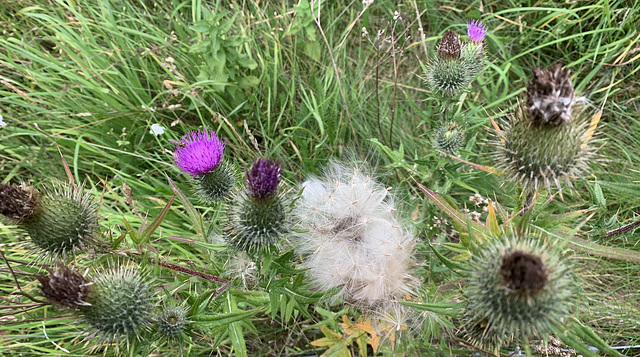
x=550 y=96
x=122 y=303
x=517 y=287
x=64 y=287
x=17 y=202
x=263 y=179
x=449 y=46
x=171 y=323
x=352 y=239
x=216 y=185
x=448 y=138
x=199 y=152
x=543 y=155
x=256 y=224
x=64 y=220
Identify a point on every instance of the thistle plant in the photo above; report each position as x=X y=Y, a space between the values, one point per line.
x=59 y=220
x=448 y=138
x=353 y=239
x=121 y=303
x=199 y=154
x=258 y=216
x=517 y=288
x=547 y=139
x=456 y=63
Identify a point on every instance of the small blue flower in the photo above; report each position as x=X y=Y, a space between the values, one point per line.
x=199 y=152
x=476 y=30
x=263 y=179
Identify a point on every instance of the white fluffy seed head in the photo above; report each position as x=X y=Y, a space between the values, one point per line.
x=353 y=239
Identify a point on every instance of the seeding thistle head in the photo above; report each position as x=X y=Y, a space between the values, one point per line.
x=64 y=287
x=450 y=46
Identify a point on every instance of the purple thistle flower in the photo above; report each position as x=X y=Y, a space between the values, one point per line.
x=199 y=152
x=476 y=30
x=263 y=178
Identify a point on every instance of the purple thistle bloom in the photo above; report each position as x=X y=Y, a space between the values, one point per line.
x=199 y=152
x=263 y=178
x=476 y=30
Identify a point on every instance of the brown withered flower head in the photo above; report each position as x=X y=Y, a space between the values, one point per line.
x=449 y=46
x=550 y=96
x=65 y=287
x=17 y=202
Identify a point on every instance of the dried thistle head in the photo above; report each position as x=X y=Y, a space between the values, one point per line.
x=17 y=202
x=550 y=96
x=65 y=287
x=449 y=46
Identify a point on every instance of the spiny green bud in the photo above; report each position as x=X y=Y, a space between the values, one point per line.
x=171 y=323
x=517 y=288
x=546 y=140
x=65 y=287
x=59 y=220
x=258 y=217
x=121 y=305
x=217 y=184
x=448 y=138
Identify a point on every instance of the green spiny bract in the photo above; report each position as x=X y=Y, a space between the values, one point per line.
x=547 y=140
x=171 y=323
x=63 y=220
x=217 y=184
x=448 y=139
x=121 y=305
x=256 y=224
x=517 y=288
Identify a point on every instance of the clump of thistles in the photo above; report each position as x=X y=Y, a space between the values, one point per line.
x=517 y=288
x=547 y=139
x=59 y=220
x=456 y=63
x=448 y=138
x=258 y=216
x=353 y=239
x=64 y=287
x=199 y=154
x=121 y=305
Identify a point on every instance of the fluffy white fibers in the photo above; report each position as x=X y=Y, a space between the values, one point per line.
x=352 y=238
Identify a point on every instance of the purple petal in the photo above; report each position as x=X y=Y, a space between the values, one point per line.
x=199 y=152
x=263 y=178
x=476 y=30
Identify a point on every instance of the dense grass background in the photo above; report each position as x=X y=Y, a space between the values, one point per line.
x=87 y=79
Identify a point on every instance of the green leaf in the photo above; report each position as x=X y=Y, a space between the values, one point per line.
x=145 y=236
x=201 y=26
x=194 y=215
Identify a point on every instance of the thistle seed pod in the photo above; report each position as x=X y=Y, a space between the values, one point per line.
x=17 y=203
x=352 y=239
x=449 y=46
x=546 y=140
x=121 y=305
x=64 y=287
x=550 y=97
x=517 y=288
x=258 y=217
x=59 y=220
x=448 y=139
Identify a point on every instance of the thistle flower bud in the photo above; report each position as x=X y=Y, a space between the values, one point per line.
x=550 y=97
x=199 y=154
x=263 y=179
x=352 y=239
x=448 y=139
x=58 y=221
x=258 y=217
x=546 y=139
x=121 y=305
x=516 y=288
x=17 y=203
x=64 y=287
x=171 y=323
